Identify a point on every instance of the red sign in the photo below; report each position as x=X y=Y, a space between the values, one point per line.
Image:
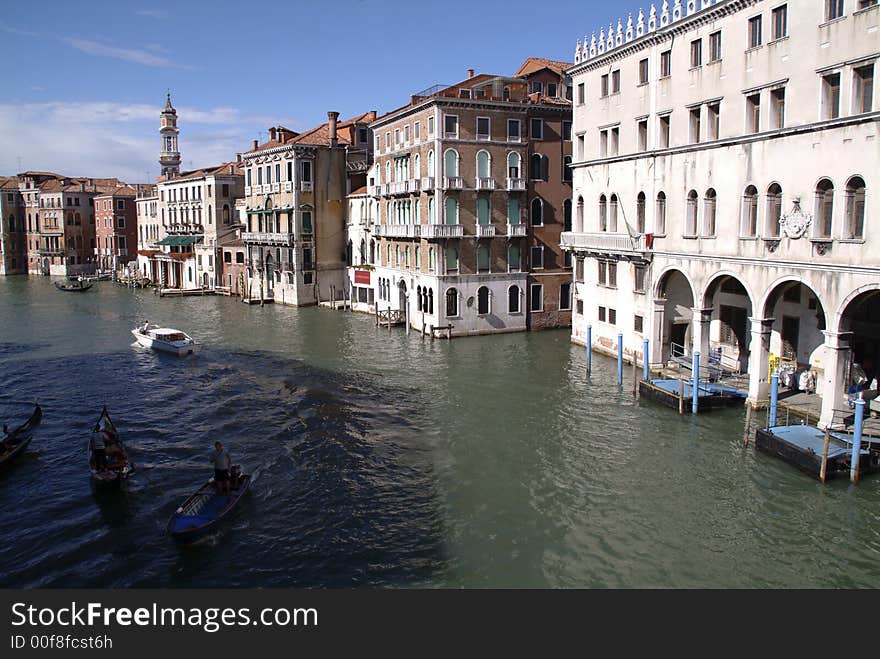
x=362 y=277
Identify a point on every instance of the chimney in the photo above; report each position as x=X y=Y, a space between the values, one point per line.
x=232 y=169
x=237 y=157
x=272 y=133
x=332 y=117
x=470 y=73
x=256 y=144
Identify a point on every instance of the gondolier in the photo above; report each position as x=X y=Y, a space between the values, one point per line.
x=222 y=463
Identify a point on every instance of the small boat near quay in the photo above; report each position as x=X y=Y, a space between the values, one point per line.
x=164 y=339
x=204 y=510
x=78 y=286
x=16 y=441
x=108 y=459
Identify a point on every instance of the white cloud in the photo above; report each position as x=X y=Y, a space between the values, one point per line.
x=128 y=54
x=104 y=138
x=152 y=13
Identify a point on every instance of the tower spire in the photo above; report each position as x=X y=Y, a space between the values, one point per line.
x=169 y=157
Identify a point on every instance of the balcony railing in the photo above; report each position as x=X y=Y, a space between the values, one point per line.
x=288 y=186
x=398 y=230
x=286 y=239
x=516 y=230
x=516 y=184
x=428 y=183
x=604 y=242
x=305 y=186
x=453 y=183
x=432 y=231
x=485 y=231
x=413 y=185
x=485 y=183
x=398 y=188
x=376 y=191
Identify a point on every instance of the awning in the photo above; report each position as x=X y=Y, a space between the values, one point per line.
x=179 y=241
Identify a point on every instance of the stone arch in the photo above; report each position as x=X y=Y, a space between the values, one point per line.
x=839 y=313
x=674 y=334
x=729 y=338
x=799 y=319
x=781 y=281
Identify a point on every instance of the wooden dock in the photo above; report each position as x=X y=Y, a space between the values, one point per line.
x=184 y=292
x=803 y=446
x=678 y=394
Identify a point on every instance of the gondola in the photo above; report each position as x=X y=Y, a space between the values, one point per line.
x=15 y=441
x=108 y=465
x=202 y=512
x=74 y=286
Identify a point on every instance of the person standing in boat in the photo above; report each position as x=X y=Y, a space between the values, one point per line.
x=222 y=464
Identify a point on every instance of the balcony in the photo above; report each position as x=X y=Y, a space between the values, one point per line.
x=485 y=231
x=50 y=251
x=276 y=187
x=604 y=243
x=516 y=184
x=305 y=186
x=413 y=185
x=398 y=188
x=247 y=189
x=427 y=183
x=516 y=230
x=285 y=239
x=435 y=231
x=453 y=183
x=288 y=186
x=485 y=183
x=375 y=191
x=398 y=230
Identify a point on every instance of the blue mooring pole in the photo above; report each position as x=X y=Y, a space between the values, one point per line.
x=774 y=398
x=696 y=383
x=645 y=370
x=857 y=440
x=619 y=359
x=589 y=348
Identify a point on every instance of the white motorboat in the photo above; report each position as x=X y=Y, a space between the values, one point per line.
x=164 y=339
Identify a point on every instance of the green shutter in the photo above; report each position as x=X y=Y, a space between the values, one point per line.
x=513 y=210
x=483 y=210
x=451 y=210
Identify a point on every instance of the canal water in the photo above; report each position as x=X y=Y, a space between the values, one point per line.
x=386 y=460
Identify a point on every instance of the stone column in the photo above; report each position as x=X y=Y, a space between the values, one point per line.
x=835 y=381
x=658 y=328
x=700 y=332
x=759 y=361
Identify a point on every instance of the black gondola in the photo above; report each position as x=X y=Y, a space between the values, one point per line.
x=74 y=286
x=15 y=441
x=108 y=459
x=202 y=512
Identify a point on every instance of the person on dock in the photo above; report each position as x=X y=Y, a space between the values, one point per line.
x=222 y=464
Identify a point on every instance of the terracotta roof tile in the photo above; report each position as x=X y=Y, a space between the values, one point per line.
x=534 y=64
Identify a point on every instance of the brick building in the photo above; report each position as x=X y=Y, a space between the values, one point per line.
x=13 y=231
x=115 y=228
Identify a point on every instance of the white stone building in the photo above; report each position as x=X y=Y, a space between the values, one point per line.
x=724 y=160
x=361 y=252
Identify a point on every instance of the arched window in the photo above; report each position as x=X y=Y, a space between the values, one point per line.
x=514 y=258
x=431 y=259
x=225 y=213
x=431 y=163
x=482 y=258
x=579 y=218
x=418 y=258
x=774 y=210
x=750 y=212
x=388 y=171
x=372 y=251
x=824 y=208
x=855 y=208
x=538 y=167
x=430 y=300
x=419 y=298
x=482 y=300
x=348 y=254
x=450 y=163
x=603 y=213
x=210 y=216
x=566 y=168
x=483 y=210
x=513 y=164
x=406 y=257
x=513 y=299
x=537 y=212
x=690 y=225
x=363 y=251
x=709 y=213
x=397 y=255
x=417 y=166
x=451 y=302
x=483 y=164
x=640 y=213
x=431 y=219
x=451 y=210
x=451 y=260
x=566 y=215
x=612 y=215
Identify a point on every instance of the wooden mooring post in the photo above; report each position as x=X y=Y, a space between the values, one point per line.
x=747 y=431
x=680 y=396
x=825 y=453
x=635 y=377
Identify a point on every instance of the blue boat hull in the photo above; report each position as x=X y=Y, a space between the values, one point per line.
x=202 y=513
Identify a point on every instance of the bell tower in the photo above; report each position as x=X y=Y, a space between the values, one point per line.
x=169 y=158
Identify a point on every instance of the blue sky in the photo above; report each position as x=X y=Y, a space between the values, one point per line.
x=84 y=81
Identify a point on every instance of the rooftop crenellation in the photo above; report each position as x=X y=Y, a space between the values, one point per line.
x=635 y=29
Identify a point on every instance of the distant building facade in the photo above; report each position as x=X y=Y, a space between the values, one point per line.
x=13 y=230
